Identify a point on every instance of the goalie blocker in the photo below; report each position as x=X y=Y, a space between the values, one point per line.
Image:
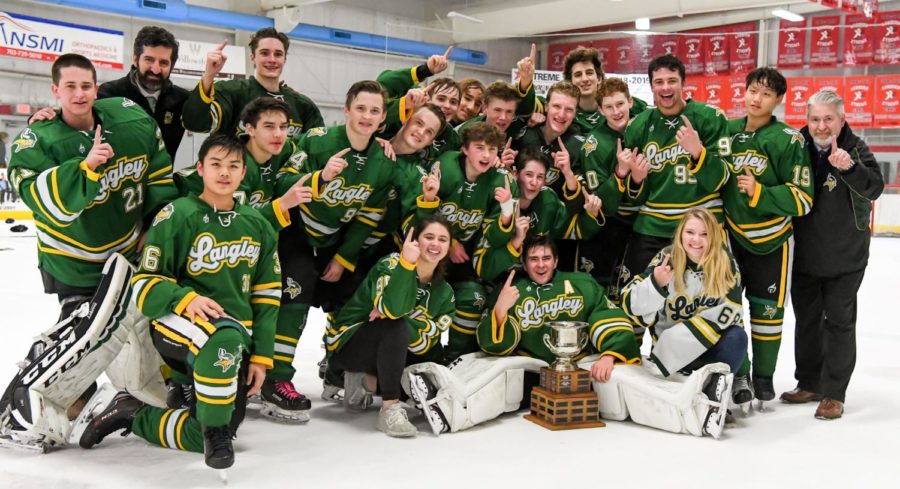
x=75 y=352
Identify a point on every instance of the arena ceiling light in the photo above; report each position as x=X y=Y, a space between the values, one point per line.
x=454 y=14
x=787 y=15
x=642 y=23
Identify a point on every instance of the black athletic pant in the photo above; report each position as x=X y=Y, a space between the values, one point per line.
x=378 y=348
x=825 y=341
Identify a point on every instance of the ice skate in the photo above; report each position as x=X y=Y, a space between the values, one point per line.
x=117 y=416
x=742 y=394
x=283 y=403
x=764 y=392
x=217 y=448
x=357 y=397
x=423 y=392
x=179 y=396
x=91 y=408
x=12 y=435
x=717 y=390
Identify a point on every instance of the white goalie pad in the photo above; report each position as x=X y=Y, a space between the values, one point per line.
x=137 y=367
x=86 y=345
x=675 y=404
x=476 y=387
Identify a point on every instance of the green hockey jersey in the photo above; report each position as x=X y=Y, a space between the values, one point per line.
x=569 y=296
x=533 y=139
x=588 y=120
x=527 y=105
x=220 y=110
x=257 y=189
x=229 y=256
x=347 y=209
x=777 y=157
x=469 y=206
x=84 y=216
x=598 y=155
x=675 y=183
x=394 y=289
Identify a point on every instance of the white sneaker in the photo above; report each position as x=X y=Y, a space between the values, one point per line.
x=393 y=422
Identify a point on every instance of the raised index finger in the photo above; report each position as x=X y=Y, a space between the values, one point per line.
x=533 y=54
x=509 y=279
x=508 y=144
x=448 y=51
x=222 y=45
x=303 y=179
x=687 y=123
x=409 y=235
x=562 y=147
x=341 y=153
x=98 y=135
x=618 y=145
x=436 y=169
x=665 y=261
x=834 y=146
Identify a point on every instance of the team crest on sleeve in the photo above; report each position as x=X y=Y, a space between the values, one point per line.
x=795 y=135
x=164 y=214
x=318 y=131
x=293 y=289
x=127 y=102
x=226 y=360
x=27 y=139
x=590 y=144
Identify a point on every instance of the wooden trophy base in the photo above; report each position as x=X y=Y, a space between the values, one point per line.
x=557 y=411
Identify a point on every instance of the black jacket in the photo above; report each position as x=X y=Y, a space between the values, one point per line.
x=168 y=107
x=833 y=239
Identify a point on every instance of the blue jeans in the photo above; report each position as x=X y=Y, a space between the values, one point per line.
x=730 y=349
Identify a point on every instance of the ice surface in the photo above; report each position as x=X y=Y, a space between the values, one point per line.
x=785 y=447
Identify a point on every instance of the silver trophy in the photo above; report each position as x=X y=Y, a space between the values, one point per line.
x=565 y=340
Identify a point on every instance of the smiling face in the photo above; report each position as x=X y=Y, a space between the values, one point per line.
x=269 y=58
x=365 y=113
x=469 y=104
x=447 y=99
x=540 y=263
x=480 y=156
x=270 y=132
x=585 y=77
x=500 y=113
x=221 y=171
x=434 y=242
x=616 y=108
x=76 y=91
x=666 y=85
x=531 y=179
x=761 y=100
x=695 y=239
x=154 y=66
x=824 y=123
x=420 y=130
x=560 y=112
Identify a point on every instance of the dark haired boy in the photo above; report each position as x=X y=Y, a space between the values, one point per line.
x=210 y=281
x=771 y=181
x=216 y=106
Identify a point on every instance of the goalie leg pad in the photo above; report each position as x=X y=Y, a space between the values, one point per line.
x=137 y=368
x=676 y=404
x=477 y=387
x=86 y=345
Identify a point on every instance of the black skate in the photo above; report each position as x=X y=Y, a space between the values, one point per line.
x=283 y=403
x=117 y=416
x=742 y=394
x=763 y=390
x=179 y=396
x=717 y=391
x=423 y=392
x=217 y=447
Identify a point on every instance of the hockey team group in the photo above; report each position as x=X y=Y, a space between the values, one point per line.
x=439 y=227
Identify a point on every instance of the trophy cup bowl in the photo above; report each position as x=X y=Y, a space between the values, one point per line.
x=566 y=339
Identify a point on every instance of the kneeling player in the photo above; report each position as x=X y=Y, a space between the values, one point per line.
x=412 y=308
x=478 y=387
x=210 y=280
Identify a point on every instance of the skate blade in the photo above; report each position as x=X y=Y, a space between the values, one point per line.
x=284 y=417
x=763 y=406
x=255 y=399
x=223 y=476
x=30 y=446
x=92 y=408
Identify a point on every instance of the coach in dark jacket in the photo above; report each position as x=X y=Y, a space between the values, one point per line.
x=155 y=54
x=831 y=254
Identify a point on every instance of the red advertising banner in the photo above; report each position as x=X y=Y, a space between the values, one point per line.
x=798 y=92
x=717 y=92
x=887 y=95
x=644 y=45
x=556 y=54
x=742 y=52
x=691 y=51
x=625 y=55
x=823 y=46
x=887 y=39
x=858 y=102
x=694 y=89
x=832 y=4
x=859 y=40
x=736 y=90
x=605 y=50
x=791 y=43
x=717 y=53
x=665 y=44
x=833 y=83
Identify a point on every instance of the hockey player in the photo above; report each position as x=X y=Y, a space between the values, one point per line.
x=90 y=176
x=470 y=102
x=476 y=198
x=770 y=183
x=540 y=212
x=210 y=279
x=443 y=93
x=413 y=305
x=615 y=182
x=267 y=149
x=556 y=138
x=215 y=107
x=582 y=67
x=350 y=178
x=478 y=387
x=684 y=143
